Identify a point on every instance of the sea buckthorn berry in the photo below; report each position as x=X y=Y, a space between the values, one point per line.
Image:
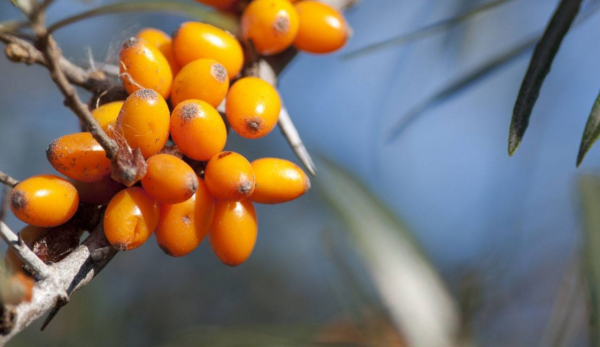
x=229 y=176
x=182 y=227
x=44 y=201
x=80 y=157
x=220 y=4
x=107 y=114
x=163 y=42
x=252 y=107
x=130 y=218
x=169 y=179
x=323 y=29
x=143 y=66
x=198 y=129
x=25 y=284
x=144 y=121
x=28 y=234
x=202 y=79
x=193 y=41
x=97 y=193
x=233 y=231
x=272 y=25
x=277 y=181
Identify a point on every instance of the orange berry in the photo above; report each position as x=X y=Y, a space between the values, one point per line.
x=322 y=28
x=219 y=4
x=25 y=284
x=144 y=66
x=229 y=176
x=193 y=41
x=44 y=201
x=252 y=107
x=80 y=157
x=97 y=193
x=277 y=181
x=130 y=218
x=107 y=114
x=29 y=235
x=144 y=121
x=182 y=227
x=162 y=41
x=169 y=179
x=233 y=231
x=202 y=79
x=198 y=129
x=272 y=25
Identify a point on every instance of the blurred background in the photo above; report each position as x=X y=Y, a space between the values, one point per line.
x=505 y=234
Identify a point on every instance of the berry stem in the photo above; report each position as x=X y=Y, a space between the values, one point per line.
x=23 y=252
x=7 y=180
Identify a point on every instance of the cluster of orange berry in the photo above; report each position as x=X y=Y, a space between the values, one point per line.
x=191 y=187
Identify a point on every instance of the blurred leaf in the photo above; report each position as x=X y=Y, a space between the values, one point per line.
x=259 y=336
x=415 y=296
x=540 y=64
x=25 y=6
x=194 y=11
x=423 y=32
x=10 y=25
x=589 y=190
x=460 y=85
x=591 y=132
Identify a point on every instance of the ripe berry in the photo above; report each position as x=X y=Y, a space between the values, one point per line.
x=233 y=231
x=130 y=218
x=229 y=176
x=198 y=129
x=163 y=42
x=322 y=28
x=97 y=193
x=143 y=66
x=219 y=4
x=202 y=79
x=25 y=285
x=28 y=234
x=144 y=121
x=182 y=227
x=272 y=25
x=169 y=179
x=80 y=157
x=277 y=181
x=252 y=107
x=107 y=114
x=44 y=201
x=193 y=41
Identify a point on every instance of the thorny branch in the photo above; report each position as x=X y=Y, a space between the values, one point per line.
x=56 y=282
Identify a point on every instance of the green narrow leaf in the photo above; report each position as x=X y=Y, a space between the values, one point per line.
x=414 y=294
x=540 y=64
x=589 y=191
x=591 y=132
x=425 y=31
x=194 y=11
x=10 y=25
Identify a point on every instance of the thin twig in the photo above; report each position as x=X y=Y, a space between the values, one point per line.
x=291 y=134
x=52 y=54
x=7 y=180
x=23 y=252
x=4 y=203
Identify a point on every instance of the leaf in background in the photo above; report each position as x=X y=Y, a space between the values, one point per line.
x=460 y=85
x=25 y=6
x=540 y=64
x=414 y=294
x=194 y=11
x=589 y=191
x=10 y=25
x=423 y=32
x=591 y=132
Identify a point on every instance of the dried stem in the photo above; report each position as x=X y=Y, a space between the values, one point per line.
x=7 y=180
x=23 y=252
